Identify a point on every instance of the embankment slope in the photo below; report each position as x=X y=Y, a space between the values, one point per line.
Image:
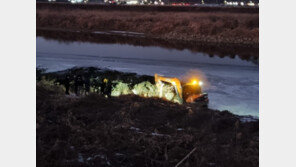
x=134 y=131
x=216 y=25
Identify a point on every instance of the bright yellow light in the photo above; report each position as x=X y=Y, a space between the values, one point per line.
x=194 y=82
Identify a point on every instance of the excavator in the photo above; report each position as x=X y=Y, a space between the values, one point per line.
x=186 y=92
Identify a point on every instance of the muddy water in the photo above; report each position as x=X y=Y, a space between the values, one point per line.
x=232 y=83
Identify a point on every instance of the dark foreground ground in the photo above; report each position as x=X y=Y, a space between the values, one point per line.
x=93 y=130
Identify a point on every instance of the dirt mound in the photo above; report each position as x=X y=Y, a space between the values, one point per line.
x=133 y=131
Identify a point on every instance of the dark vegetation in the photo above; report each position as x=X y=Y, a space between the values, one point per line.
x=192 y=24
x=133 y=131
x=244 y=52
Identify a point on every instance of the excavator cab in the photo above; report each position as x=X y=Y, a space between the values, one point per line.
x=192 y=93
x=186 y=92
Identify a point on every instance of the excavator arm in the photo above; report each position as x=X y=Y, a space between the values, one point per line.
x=174 y=81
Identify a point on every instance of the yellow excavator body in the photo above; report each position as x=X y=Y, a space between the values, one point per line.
x=188 y=92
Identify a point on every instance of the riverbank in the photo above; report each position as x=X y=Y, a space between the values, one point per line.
x=216 y=27
x=92 y=130
x=107 y=37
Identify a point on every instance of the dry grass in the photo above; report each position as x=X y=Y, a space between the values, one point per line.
x=134 y=131
x=221 y=27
